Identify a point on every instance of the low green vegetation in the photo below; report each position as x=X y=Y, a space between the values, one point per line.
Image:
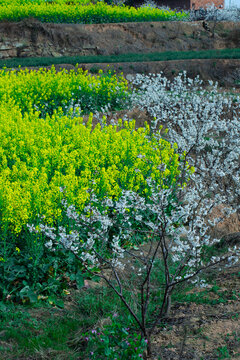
x=225 y=352
x=163 y=56
x=44 y=331
x=92 y=324
x=205 y=296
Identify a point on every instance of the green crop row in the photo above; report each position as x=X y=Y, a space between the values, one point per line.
x=129 y=57
x=74 y=12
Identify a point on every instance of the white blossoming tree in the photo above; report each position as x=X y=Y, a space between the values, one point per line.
x=176 y=221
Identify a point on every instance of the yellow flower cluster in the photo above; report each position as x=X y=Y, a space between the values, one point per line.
x=81 y=11
x=47 y=90
x=39 y=155
x=50 y=2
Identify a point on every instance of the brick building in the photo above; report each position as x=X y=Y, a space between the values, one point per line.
x=196 y=4
x=221 y=4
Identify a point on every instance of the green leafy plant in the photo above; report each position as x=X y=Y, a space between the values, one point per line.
x=33 y=273
x=113 y=341
x=222 y=353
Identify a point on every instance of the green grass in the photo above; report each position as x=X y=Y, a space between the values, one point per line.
x=53 y=332
x=43 y=331
x=131 y=57
x=46 y=331
x=232 y=341
x=205 y=296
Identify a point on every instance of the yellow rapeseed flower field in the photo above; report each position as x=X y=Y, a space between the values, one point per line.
x=47 y=90
x=82 y=11
x=38 y=155
x=42 y=150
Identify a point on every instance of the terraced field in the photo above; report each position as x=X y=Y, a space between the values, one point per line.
x=119 y=191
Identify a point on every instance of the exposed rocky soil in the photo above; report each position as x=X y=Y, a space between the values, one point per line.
x=226 y=72
x=208 y=331
x=31 y=38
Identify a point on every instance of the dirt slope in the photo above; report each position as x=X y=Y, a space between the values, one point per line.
x=30 y=38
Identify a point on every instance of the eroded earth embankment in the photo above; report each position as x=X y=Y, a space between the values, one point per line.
x=31 y=38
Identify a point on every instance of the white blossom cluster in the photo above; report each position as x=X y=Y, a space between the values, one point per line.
x=212 y=13
x=91 y=235
x=120 y=220
x=204 y=123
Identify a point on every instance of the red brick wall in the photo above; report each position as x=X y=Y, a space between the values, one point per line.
x=204 y=3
